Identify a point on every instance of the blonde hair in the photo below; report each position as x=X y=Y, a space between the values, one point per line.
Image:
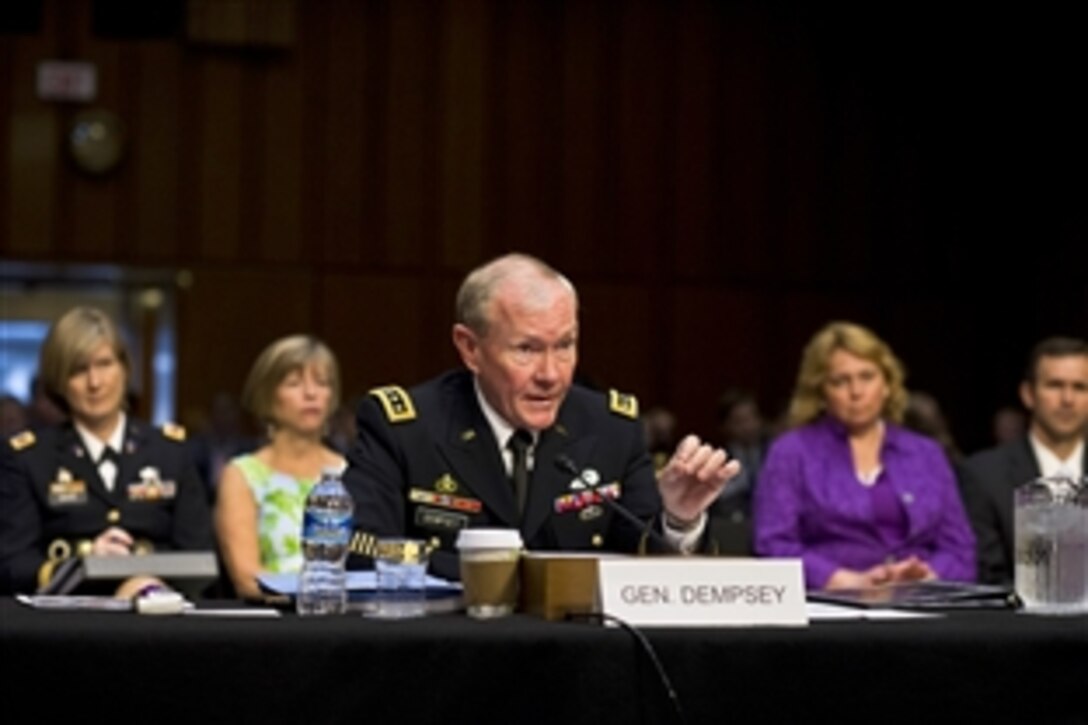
x=808 y=400
x=471 y=307
x=276 y=362
x=71 y=340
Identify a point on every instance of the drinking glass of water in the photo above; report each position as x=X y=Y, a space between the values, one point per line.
x=401 y=568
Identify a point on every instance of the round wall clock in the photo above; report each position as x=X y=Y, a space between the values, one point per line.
x=96 y=140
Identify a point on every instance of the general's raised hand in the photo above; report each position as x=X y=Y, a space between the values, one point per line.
x=693 y=478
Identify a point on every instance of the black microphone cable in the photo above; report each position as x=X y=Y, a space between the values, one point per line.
x=645 y=646
x=565 y=464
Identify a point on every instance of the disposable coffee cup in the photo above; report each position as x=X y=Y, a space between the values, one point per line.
x=489 y=571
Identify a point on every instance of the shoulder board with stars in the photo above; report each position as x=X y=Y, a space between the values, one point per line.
x=173 y=431
x=623 y=404
x=22 y=440
x=396 y=403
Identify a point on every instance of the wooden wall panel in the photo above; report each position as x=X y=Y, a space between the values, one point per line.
x=92 y=231
x=643 y=125
x=696 y=137
x=587 y=180
x=411 y=163
x=464 y=52
x=32 y=200
x=226 y=318
x=7 y=60
x=797 y=156
x=292 y=169
x=616 y=350
x=218 y=188
x=334 y=150
x=691 y=166
x=32 y=163
x=377 y=325
x=742 y=244
x=531 y=114
x=717 y=339
x=155 y=155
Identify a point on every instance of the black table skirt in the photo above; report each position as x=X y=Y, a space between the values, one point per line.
x=984 y=667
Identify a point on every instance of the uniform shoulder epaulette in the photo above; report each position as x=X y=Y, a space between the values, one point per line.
x=173 y=431
x=623 y=404
x=19 y=441
x=396 y=403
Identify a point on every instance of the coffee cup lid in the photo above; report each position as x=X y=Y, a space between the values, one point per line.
x=489 y=539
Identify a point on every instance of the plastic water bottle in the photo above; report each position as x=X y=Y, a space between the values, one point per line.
x=326 y=531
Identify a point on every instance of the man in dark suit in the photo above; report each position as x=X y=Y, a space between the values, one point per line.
x=1055 y=391
x=493 y=444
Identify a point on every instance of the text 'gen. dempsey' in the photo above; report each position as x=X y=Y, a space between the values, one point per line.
x=703 y=594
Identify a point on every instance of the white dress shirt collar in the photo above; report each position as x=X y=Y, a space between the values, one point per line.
x=1051 y=465
x=94 y=445
x=501 y=428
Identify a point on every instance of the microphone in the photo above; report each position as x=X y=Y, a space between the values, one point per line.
x=564 y=463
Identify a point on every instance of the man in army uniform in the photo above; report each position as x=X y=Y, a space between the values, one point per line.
x=510 y=442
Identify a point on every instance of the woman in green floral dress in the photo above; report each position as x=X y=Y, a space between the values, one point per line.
x=293 y=389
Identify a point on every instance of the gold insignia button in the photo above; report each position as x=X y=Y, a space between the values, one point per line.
x=445 y=484
x=113 y=516
x=435 y=543
x=85 y=547
x=597 y=540
x=59 y=549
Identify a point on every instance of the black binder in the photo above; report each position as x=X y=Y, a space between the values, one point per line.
x=925 y=595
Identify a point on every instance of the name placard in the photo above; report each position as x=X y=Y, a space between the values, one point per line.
x=694 y=592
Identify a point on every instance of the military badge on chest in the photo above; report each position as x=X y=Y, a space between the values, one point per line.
x=151 y=487
x=584 y=499
x=65 y=490
x=442 y=507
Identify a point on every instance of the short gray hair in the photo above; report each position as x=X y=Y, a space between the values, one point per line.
x=471 y=308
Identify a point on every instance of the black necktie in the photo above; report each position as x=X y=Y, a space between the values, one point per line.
x=519 y=444
x=108 y=454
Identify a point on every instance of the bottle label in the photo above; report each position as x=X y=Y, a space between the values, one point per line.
x=325 y=527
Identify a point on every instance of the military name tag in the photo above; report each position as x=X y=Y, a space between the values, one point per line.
x=429 y=518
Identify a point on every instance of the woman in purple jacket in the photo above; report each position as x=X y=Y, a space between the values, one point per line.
x=860 y=499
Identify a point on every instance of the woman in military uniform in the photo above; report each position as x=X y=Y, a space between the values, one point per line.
x=101 y=483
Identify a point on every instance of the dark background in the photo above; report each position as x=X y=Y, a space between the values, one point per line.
x=718 y=179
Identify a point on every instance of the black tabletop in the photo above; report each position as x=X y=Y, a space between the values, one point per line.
x=995 y=666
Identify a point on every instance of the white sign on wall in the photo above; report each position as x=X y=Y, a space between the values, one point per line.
x=62 y=80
